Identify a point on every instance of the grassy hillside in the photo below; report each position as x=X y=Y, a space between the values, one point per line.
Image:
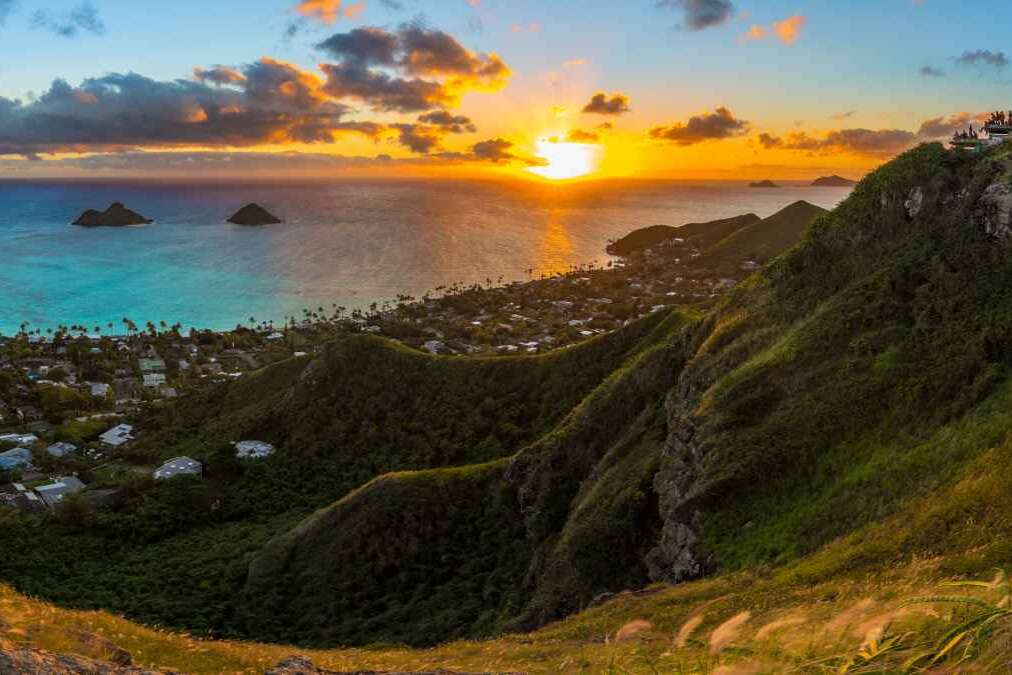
x=816 y=400
x=826 y=443
x=760 y=241
x=177 y=554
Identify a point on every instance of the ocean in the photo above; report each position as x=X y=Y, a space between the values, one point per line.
x=347 y=242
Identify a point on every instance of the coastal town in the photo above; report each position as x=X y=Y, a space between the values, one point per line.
x=73 y=400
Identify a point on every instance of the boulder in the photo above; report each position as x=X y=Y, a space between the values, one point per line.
x=116 y=215
x=253 y=214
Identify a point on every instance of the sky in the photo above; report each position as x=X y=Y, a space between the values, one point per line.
x=568 y=89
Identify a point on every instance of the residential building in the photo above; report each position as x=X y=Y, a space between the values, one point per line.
x=253 y=449
x=18 y=458
x=118 y=435
x=54 y=493
x=180 y=466
x=61 y=449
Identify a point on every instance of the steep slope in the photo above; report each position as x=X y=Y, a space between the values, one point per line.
x=761 y=241
x=175 y=554
x=813 y=402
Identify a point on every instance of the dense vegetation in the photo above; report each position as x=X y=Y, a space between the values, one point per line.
x=176 y=553
x=840 y=412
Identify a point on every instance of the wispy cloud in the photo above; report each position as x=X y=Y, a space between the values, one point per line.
x=82 y=18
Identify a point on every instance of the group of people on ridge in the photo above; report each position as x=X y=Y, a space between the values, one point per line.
x=999 y=120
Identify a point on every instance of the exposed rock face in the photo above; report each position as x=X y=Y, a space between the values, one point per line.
x=17 y=659
x=116 y=215
x=994 y=211
x=300 y=665
x=253 y=214
x=914 y=202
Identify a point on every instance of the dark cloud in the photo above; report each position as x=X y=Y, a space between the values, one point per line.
x=385 y=92
x=392 y=4
x=275 y=103
x=931 y=71
x=82 y=18
x=499 y=151
x=362 y=47
x=455 y=124
x=706 y=127
x=983 y=57
x=700 y=14
x=411 y=70
x=581 y=136
x=427 y=136
x=845 y=115
x=602 y=104
x=874 y=143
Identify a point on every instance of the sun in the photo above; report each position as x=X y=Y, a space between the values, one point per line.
x=566 y=160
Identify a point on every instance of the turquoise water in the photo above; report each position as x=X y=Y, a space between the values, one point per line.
x=349 y=243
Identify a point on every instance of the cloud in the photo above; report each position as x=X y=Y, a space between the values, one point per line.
x=944 y=127
x=700 y=128
x=601 y=104
x=700 y=14
x=498 y=151
x=983 y=57
x=456 y=124
x=220 y=75
x=276 y=102
x=874 y=143
x=437 y=67
x=789 y=30
x=427 y=135
x=82 y=18
x=329 y=11
x=581 y=136
x=845 y=115
x=931 y=71
x=363 y=47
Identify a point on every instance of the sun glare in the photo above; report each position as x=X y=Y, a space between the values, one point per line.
x=566 y=160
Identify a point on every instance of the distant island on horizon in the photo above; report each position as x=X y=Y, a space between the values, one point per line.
x=833 y=181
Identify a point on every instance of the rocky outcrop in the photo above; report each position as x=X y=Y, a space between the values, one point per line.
x=300 y=665
x=914 y=202
x=994 y=210
x=116 y=215
x=16 y=659
x=253 y=214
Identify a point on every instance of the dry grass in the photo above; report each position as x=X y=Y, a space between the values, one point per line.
x=737 y=624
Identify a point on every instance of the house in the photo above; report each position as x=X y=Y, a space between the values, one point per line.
x=19 y=439
x=118 y=435
x=54 y=493
x=61 y=449
x=99 y=389
x=18 y=458
x=180 y=466
x=154 y=365
x=253 y=449
x=153 y=380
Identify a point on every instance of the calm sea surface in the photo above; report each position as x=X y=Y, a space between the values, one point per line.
x=349 y=242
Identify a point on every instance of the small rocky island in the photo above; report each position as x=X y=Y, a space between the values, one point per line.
x=763 y=184
x=116 y=215
x=833 y=181
x=253 y=214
